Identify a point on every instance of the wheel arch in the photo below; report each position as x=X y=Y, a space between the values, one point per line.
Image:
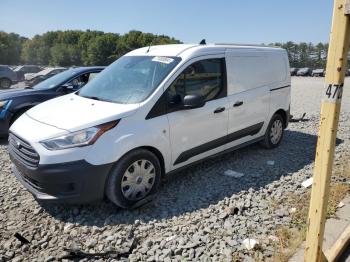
x=153 y=150
x=158 y=154
x=284 y=114
x=19 y=111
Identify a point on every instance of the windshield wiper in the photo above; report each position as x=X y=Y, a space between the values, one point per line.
x=94 y=98
x=97 y=98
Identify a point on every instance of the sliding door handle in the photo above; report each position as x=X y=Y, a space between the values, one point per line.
x=238 y=103
x=219 y=110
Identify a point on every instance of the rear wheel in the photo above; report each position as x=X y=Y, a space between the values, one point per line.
x=5 y=83
x=274 y=132
x=135 y=177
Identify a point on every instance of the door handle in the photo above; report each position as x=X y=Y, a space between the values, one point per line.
x=219 y=110
x=238 y=103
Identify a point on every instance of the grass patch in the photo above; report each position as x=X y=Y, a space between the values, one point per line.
x=289 y=241
x=290 y=238
x=338 y=192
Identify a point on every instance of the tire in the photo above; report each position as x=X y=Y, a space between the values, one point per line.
x=122 y=178
x=274 y=132
x=5 y=83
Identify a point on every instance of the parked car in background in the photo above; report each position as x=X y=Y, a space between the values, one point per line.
x=304 y=72
x=318 y=72
x=24 y=69
x=7 y=77
x=151 y=112
x=293 y=71
x=33 y=79
x=14 y=102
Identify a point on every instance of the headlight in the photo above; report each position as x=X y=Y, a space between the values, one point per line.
x=3 y=104
x=78 y=139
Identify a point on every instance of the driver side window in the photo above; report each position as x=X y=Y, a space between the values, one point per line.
x=79 y=81
x=204 y=77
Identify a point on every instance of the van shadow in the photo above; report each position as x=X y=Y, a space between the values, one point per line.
x=3 y=141
x=202 y=185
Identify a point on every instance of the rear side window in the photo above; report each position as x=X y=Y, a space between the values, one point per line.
x=204 y=77
x=255 y=70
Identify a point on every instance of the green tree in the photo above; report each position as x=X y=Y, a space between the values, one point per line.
x=102 y=49
x=10 y=48
x=60 y=55
x=74 y=47
x=136 y=39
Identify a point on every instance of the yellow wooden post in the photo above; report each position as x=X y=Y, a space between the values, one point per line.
x=335 y=71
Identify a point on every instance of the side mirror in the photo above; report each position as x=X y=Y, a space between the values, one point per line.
x=67 y=87
x=193 y=101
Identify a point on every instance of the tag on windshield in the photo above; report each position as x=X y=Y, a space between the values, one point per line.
x=162 y=59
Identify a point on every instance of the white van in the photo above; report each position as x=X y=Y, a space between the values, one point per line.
x=153 y=111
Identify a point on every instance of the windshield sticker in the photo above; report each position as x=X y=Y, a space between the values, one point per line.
x=162 y=59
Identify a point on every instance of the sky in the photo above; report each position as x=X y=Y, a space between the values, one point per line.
x=217 y=21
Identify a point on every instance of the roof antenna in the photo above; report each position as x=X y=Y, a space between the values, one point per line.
x=149 y=47
x=203 y=42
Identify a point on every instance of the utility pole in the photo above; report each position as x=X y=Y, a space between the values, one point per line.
x=330 y=109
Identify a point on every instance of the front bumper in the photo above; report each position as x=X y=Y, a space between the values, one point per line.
x=73 y=182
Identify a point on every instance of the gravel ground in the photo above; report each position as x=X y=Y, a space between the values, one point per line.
x=199 y=214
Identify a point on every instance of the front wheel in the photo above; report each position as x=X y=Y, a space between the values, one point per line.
x=135 y=177
x=274 y=132
x=5 y=83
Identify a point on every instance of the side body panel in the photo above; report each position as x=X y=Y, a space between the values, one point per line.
x=280 y=93
x=251 y=77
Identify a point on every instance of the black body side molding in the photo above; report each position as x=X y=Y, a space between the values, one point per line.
x=249 y=131
x=278 y=88
x=255 y=140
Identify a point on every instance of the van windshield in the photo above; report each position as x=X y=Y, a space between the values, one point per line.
x=130 y=79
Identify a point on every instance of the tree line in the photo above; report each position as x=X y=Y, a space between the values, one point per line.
x=75 y=47
x=305 y=54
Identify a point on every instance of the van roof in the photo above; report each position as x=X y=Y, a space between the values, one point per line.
x=181 y=49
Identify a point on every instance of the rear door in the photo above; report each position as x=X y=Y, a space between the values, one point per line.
x=248 y=95
x=197 y=133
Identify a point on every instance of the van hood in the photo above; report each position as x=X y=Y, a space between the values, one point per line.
x=73 y=113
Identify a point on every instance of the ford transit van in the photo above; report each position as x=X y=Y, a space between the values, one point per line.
x=152 y=112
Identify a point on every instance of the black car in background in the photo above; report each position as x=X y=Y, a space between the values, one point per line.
x=293 y=71
x=318 y=72
x=24 y=69
x=14 y=102
x=304 y=72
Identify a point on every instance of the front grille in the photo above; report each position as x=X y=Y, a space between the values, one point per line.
x=23 y=151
